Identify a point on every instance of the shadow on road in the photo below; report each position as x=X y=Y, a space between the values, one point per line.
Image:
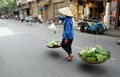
x=57 y=55
x=54 y=54
x=91 y=68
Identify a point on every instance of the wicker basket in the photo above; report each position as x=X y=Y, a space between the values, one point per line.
x=90 y=62
x=55 y=46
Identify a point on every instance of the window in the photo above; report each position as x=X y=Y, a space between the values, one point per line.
x=70 y=0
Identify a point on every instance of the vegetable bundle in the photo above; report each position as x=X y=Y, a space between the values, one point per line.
x=94 y=55
x=53 y=44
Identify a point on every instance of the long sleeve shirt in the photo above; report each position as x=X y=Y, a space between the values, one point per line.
x=27 y=18
x=68 y=32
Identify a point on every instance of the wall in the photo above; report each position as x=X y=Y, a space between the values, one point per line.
x=57 y=1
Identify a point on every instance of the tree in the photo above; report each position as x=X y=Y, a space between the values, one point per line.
x=7 y=6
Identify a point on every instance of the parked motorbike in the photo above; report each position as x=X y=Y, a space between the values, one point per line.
x=96 y=27
x=34 y=19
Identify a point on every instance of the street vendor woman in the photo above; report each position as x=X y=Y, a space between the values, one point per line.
x=68 y=33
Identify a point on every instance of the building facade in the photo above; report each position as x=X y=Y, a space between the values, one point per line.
x=118 y=16
x=49 y=8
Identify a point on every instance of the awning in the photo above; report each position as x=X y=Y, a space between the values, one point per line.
x=29 y=0
x=23 y=1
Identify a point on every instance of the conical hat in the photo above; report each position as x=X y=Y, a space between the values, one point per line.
x=65 y=11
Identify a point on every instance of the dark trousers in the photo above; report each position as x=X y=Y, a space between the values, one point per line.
x=67 y=46
x=22 y=20
x=40 y=21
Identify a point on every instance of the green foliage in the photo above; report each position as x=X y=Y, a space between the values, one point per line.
x=7 y=5
x=96 y=54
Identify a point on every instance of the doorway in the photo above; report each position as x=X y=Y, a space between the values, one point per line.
x=28 y=11
x=46 y=12
x=118 y=24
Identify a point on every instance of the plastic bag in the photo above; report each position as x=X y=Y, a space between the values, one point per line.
x=52 y=27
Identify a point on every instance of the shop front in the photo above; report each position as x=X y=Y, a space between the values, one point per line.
x=118 y=23
x=90 y=8
x=115 y=14
x=98 y=8
x=25 y=9
x=57 y=4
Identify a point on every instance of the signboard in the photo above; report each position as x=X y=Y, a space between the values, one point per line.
x=113 y=13
x=41 y=7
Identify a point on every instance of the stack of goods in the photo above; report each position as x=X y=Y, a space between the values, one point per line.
x=94 y=55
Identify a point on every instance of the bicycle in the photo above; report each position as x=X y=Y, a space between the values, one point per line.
x=48 y=21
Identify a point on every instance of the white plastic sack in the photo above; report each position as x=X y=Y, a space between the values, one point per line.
x=52 y=27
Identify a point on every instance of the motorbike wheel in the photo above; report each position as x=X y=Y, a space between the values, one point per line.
x=97 y=30
x=118 y=42
x=82 y=29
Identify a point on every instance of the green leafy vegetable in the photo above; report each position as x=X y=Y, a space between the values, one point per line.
x=52 y=43
x=96 y=54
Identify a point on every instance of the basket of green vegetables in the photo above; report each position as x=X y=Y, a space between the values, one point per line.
x=53 y=44
x=94 y=55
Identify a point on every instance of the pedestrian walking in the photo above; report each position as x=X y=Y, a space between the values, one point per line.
x=30 y=20
x=40 y=18
x=27 y=19
x=22 y=18
x=68 y=33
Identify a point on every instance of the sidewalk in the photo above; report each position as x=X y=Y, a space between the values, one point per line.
x=115 y=32
x=111 y=32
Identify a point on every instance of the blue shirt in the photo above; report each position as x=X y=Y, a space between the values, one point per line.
x=68 y=32
x=27 y=18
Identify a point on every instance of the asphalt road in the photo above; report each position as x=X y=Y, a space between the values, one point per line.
x=23 y=53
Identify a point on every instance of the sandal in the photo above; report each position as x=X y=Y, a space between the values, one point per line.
x=69 y=58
